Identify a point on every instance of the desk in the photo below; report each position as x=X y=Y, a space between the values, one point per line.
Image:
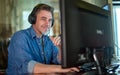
x=88 y=73
x=70 y=74
x=75 y=73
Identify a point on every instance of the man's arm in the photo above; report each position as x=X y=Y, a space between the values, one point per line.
x=44 y=68
x=57 y=42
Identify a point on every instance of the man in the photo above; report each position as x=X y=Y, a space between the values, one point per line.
x=30 y=51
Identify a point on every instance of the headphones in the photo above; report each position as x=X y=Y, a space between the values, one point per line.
x=36 y=9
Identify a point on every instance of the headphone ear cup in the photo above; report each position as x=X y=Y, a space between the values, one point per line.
x=52 y=23
x=31 y=19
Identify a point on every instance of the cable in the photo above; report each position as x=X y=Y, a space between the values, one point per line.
x=43 y=50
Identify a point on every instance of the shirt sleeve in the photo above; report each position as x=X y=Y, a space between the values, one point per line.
x=55 y=55
x=31 y=65
x=19 y=55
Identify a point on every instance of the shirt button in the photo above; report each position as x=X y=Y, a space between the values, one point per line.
x=38 y=43
x=42 y=53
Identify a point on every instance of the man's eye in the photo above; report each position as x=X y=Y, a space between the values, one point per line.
x=43 y=19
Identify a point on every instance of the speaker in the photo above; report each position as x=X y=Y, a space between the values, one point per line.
x=37 y=8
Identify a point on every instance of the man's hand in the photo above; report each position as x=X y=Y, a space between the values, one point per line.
x=56 y=40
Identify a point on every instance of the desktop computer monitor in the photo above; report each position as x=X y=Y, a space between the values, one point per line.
x=84 y=27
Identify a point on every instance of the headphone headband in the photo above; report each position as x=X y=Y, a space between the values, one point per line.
x=36 y=9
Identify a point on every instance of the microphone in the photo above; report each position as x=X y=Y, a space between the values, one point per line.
x=47 y=32
x=43 y=49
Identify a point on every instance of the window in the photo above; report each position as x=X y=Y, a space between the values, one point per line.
x=116 y=16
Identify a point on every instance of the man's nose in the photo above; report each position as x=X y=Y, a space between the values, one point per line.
x=47 y=22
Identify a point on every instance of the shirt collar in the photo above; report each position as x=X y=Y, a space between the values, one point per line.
x=33 y=33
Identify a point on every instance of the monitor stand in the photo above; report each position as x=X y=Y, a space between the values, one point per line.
x=97 y=62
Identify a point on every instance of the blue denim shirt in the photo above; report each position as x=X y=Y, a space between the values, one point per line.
x=25 y=50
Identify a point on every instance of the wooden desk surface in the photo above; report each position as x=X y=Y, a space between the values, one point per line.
x=86 y=73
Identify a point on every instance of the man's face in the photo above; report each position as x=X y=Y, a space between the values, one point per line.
x=43 y=22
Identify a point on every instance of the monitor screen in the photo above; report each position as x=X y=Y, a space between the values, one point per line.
x=84 y=27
